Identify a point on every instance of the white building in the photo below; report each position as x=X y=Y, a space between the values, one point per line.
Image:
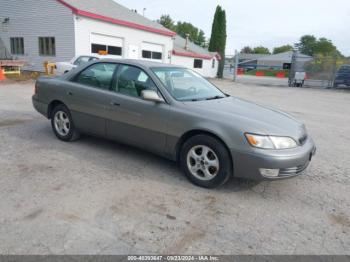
x=57 y=30
x=190 y=55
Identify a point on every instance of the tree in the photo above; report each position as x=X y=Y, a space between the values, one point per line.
x=282 y=49
x=218 y=37
x=325 y=47
x=195 y=35
x=307 y=44
x=261 y=50
x=201 y=39
x=247 y=50
x=167 y=22
x=310 y=45
x=183 y=28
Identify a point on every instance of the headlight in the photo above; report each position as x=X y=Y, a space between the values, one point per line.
x=270 y=142
x=283 y=142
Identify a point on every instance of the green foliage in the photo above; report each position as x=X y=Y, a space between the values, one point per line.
x=310 y=45
x=261 y=50
x=282 y=49
x=218 y=37
x=255 y=50
x=324 y=66
x=307 y=44
x=183 y=28
x=247 y=50
x=201 y=39
x=195 y=35
x=167 y=22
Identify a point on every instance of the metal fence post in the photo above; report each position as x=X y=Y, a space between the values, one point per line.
x=236 y=66
x=334 y=72
x=292 y=67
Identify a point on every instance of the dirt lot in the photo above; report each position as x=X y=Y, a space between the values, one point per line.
x=99 y=197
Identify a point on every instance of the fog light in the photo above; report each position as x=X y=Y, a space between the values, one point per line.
x=269 y=172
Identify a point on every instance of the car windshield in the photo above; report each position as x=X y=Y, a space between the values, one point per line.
x=186 y=85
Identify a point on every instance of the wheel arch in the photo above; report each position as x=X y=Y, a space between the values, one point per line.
x=196 y=132
x=52 y=105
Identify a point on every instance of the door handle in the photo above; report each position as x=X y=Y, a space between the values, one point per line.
x=69 y=93
x=115 y=103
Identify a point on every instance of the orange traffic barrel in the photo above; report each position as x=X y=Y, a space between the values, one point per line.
x=2 y=74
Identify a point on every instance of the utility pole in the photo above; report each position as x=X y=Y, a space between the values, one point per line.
x=143 y=11
x=236 y=66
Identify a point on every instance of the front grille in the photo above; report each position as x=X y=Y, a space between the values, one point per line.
x=302 y=140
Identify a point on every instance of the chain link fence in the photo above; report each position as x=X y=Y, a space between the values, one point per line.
x=290 y=68
x=320 y=70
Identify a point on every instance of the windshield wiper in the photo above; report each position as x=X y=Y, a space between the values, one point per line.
x=214 y=97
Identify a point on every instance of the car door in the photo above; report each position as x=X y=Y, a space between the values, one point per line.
x=134 y=120
x=88 y=95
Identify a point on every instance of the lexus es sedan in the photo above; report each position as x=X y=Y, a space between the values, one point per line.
x=174 y=112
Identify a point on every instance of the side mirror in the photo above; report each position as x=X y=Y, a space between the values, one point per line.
x=151 y=95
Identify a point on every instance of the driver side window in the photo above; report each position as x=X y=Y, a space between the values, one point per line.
x=132 y=81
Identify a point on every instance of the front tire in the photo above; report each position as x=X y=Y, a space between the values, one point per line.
x=205 y=161
x=62 y=124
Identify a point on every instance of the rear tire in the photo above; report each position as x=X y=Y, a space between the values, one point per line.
x=205 y=161
x=62 y=124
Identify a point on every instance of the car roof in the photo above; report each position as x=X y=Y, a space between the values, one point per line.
x=142 y=63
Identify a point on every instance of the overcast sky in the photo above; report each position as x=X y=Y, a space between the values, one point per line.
x=260 y=22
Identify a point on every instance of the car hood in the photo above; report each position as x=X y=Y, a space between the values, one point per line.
x=250 y=117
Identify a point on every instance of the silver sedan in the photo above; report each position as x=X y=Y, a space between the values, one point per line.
x=174 y=112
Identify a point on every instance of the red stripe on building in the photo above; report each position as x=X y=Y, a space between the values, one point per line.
x=116 y=21
x=194 y=55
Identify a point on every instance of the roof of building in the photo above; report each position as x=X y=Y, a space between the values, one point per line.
x=193 y=50
x=285 y=56
x=112 y=12
x=245 y=56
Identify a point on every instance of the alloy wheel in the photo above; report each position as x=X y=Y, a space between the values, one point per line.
x=62 y=123
x=202 y=162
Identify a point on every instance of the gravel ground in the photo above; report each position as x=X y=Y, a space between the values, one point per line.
x=99 y=197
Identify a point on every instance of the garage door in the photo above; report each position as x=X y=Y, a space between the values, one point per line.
x=112 y=45
x=152 y=51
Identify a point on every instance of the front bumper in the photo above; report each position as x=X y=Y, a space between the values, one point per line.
x=290 y=162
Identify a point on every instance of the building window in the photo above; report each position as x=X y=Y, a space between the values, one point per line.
x=151 y=55
x=114 y=50
x=111 y=50
x=198 y=63
x=47 y=46
x=287 y=66
x=96 y=48
x=213 y=64
x=17 y=45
